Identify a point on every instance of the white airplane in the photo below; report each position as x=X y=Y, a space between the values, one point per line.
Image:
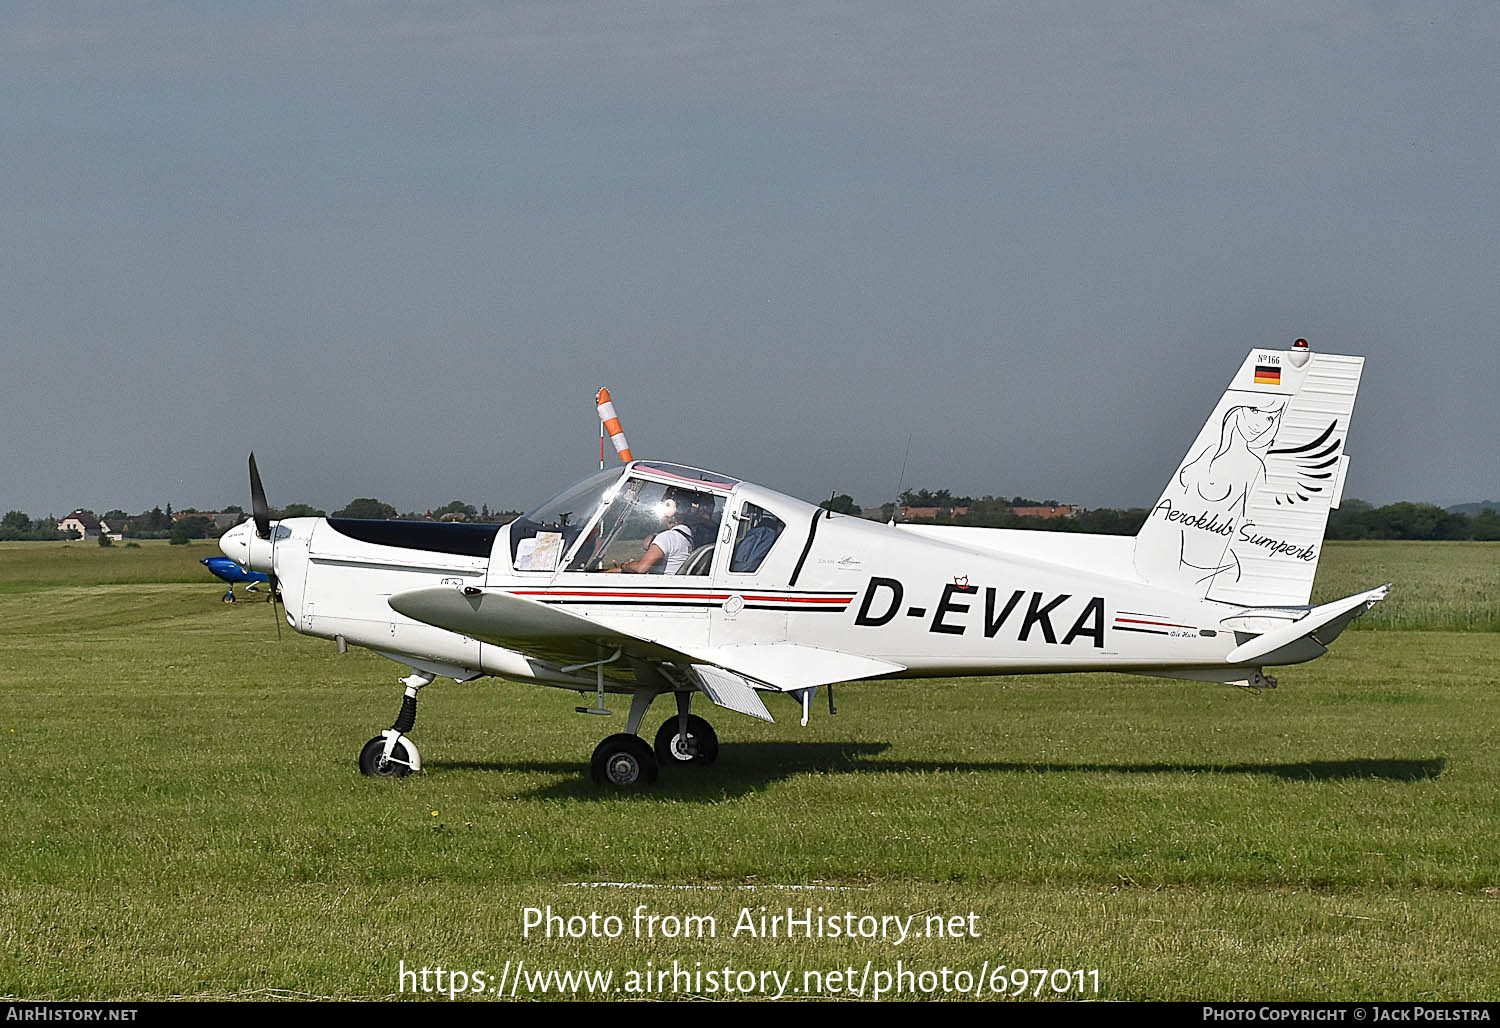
x=731 y=590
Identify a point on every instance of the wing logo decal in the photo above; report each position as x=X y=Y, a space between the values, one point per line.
x=1310 y=465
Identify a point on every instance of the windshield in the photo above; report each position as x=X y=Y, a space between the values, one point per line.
x=539 y=539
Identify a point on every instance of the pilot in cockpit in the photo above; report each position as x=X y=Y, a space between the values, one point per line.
x=668 y=549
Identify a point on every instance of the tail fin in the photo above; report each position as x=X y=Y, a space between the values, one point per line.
x=1243 y=516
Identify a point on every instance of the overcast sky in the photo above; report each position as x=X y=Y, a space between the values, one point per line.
x=395 y=248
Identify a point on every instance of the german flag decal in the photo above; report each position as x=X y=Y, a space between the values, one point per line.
x=1265 y=376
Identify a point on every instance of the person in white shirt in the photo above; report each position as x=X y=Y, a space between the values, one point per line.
x=669 y=548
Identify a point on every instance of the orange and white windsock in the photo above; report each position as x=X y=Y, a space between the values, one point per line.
x=611 y=422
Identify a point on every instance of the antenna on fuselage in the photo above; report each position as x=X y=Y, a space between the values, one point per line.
x=900 y=481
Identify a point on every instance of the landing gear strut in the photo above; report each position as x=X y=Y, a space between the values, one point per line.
x=391 y=754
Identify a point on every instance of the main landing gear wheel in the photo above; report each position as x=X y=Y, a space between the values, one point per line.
x=370 y=762
x=624 y=761
x=700 y=747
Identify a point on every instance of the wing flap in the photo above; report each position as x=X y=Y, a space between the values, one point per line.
x=730 y=691
x=786 y=667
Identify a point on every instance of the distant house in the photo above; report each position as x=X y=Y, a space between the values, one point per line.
x=218 y=521
x=116 y=532
x=1047 y=512
x=81 y=522
x=931 y=513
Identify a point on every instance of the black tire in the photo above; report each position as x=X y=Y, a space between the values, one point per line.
x=623 y=761
x=704 y=742
x=369 y=759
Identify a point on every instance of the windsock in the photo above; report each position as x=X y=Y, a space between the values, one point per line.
x=611 y=422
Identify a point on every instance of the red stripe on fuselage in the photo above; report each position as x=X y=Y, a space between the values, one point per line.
x=653 y=595
x=646 y=595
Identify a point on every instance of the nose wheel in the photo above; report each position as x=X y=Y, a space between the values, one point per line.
x=373 y=759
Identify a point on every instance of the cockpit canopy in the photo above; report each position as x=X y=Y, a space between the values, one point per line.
x=618 y=513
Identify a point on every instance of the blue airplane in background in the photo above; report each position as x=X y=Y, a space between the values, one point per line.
x=229 y=571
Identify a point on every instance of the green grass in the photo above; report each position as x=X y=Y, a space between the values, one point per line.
x=25 y=567
x=180 y=813
x=1437 y=586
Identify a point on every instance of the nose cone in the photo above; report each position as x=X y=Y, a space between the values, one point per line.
x=236 y=543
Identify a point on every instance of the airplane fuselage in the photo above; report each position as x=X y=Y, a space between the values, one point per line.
x=931 y=606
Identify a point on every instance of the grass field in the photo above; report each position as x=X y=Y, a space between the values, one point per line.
x=180 y=813
x=1438 y=586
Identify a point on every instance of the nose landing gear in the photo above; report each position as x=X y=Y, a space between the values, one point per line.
x=391 y=754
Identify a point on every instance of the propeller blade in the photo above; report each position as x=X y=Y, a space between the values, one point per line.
x=258 y=504
x=262 y=514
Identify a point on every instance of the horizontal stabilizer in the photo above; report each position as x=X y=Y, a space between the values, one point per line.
x=731 y=691
x=1309 y=635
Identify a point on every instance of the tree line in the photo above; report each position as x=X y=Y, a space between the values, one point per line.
x=1355 y=519
x=189 y=523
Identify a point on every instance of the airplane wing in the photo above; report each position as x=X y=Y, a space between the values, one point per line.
x=527 y=626
x=569 y=637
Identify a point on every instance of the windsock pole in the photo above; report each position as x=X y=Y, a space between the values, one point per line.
x=609 y=422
